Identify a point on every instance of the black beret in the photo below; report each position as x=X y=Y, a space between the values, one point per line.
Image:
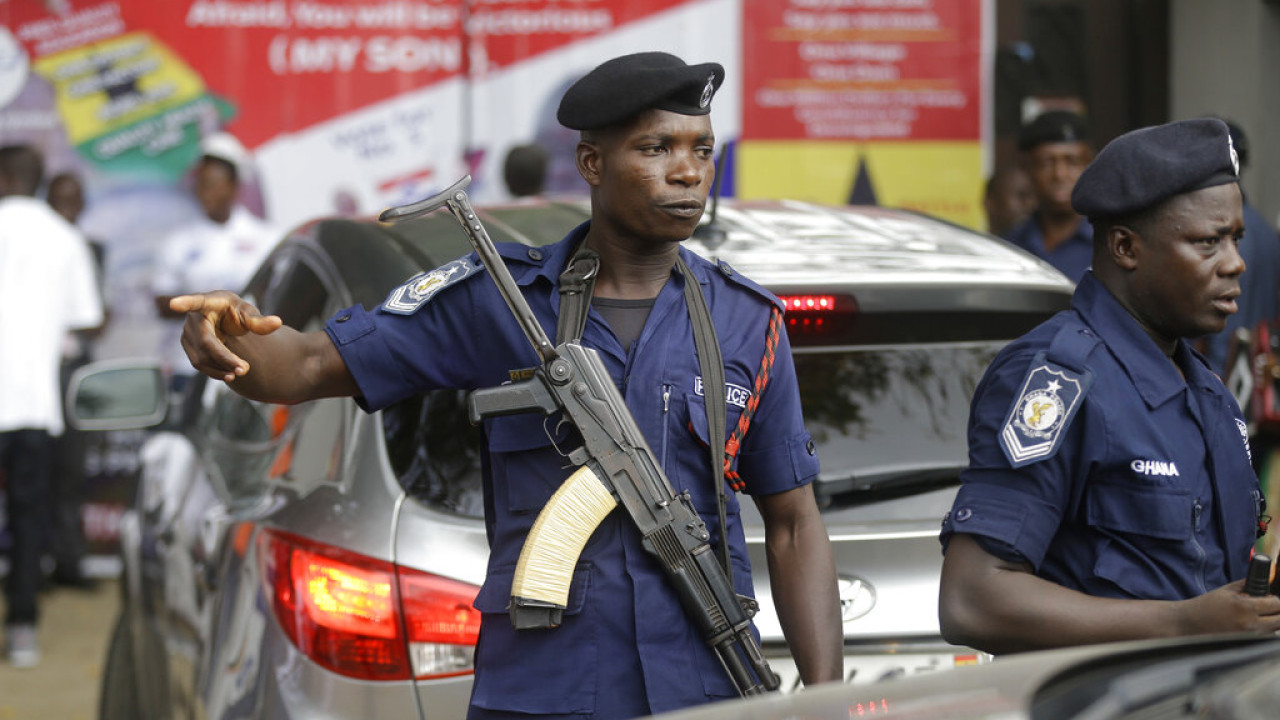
x=621 y=88
x=1053 y=126
x=1144 y=167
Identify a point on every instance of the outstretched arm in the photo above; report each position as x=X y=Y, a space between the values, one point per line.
x=1000 y=606
x=227 y=339
x=802 y=575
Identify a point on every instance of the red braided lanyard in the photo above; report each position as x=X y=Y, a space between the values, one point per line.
x=744 y=420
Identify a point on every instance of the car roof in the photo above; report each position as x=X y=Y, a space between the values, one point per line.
x=887 y=256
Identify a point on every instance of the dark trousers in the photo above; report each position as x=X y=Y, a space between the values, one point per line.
x=26 y=457
x=66 y=499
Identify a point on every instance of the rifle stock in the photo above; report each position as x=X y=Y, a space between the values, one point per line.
x=616 y=466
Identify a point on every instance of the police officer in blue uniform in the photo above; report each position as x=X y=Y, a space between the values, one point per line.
x=1054 y=149
x=1259 y=295
x=1109 y=493
x=626 y=647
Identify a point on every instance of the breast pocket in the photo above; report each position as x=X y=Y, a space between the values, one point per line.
x=696 y=426
x=527 y=453
x=1143 y=524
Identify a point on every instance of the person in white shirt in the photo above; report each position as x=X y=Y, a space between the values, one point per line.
x=221 y=249
x=65 y=194
x=47 y=288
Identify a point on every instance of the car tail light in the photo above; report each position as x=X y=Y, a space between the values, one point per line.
x=817 y=315
x=808 y=303
x=367 y=618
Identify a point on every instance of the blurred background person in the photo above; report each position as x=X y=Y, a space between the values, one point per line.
x=525 y=170
x=66 y=196
x=1260 y=248
x=220 y=249
x=47 y=288
x=1054 y=149
x=1007 y=199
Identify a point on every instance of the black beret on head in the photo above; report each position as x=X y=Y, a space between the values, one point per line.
x=1053 y=126
x=621 y=88
x=1145 y=167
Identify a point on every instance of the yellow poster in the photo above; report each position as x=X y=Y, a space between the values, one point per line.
x=940 y=178
x=114 y=83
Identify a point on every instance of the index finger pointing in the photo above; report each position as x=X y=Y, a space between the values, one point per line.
x=190 y=303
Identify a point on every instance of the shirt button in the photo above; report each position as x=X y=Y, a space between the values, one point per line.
x=535 y=254
x=343 y=318
x=813 y=449
x=963 y=514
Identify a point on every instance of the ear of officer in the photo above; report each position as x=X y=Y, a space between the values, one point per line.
x=1148 y=192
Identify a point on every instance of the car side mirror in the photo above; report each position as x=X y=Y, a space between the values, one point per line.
x=117 y=395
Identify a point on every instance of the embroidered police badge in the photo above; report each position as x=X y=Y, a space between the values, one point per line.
x=407 y=298
x=1050 y=396
x=707 y=92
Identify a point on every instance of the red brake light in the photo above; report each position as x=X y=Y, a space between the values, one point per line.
x=808 y=303
x=348 y=612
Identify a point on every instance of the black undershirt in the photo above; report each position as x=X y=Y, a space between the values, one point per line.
x=625 y=317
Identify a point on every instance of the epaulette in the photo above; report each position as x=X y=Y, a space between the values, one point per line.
x=521 y=253
x=1051 y=393
x=747 y=283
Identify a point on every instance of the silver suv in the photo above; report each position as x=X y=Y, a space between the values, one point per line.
x=317 y=561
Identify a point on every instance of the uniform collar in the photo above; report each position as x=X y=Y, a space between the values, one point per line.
x=1152 y=372
x=547 y=262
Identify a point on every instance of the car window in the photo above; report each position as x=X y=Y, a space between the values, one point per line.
x=889 y=420
x=251 y=442
x=435 y=451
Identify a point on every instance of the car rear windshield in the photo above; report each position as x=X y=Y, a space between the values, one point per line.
x=888 y=421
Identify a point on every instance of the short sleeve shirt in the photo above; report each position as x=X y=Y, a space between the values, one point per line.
x=47 y=287
x=1093 y=460
x=1072 y=258
x=625 y=642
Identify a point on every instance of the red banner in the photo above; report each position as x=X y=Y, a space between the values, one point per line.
x=503 y=32
x=847 y=70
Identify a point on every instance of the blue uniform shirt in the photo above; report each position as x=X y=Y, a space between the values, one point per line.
x=626 y=646
x=1072 y=258
x=1094 y=461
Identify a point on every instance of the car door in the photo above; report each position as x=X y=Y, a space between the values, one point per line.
x=269 y=459
x=206 y=519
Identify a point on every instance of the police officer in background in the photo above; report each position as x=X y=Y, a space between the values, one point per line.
x=1054 y=149
x=626 y=647
x=1109 y=493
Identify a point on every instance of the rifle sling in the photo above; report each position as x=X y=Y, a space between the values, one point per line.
x=711 y=365
x=576 y=283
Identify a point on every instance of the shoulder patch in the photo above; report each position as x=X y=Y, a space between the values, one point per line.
x=406 y=299
x=1048 y=401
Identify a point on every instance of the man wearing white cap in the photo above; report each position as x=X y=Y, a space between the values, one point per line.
x=218 y=250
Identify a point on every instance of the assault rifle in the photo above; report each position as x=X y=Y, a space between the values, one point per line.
x=615 y=465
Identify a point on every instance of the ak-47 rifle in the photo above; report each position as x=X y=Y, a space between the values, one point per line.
x=615 y=465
